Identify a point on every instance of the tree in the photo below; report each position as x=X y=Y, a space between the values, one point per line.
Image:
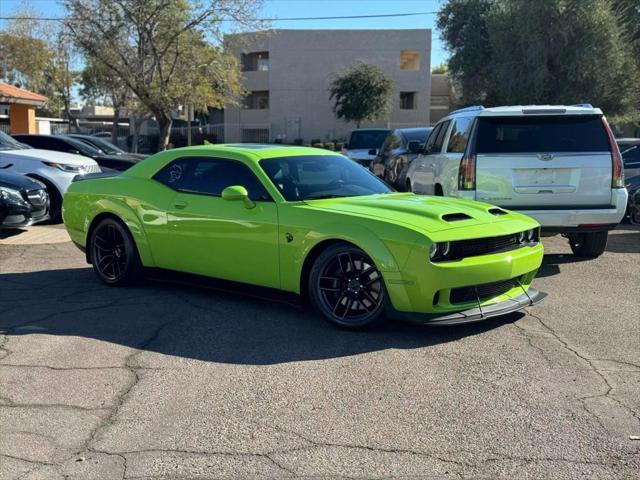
x=362 y=92
x=100 y=84
x=162 y=51
x=36 y=56
x=440 y=69
x=547 y=51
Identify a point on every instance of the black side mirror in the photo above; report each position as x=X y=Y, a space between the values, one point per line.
x=373 y=151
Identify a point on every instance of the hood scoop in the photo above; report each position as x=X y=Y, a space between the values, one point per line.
x=455 y=217
x=497 y=211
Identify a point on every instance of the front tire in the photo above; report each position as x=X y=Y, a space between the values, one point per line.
x=114 y=254
x=346 y=287
x=588 y=245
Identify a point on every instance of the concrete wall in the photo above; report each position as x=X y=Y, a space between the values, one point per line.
x=302 y=64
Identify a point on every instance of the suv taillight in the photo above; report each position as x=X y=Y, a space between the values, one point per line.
x=617 y=177
x=467 y=170
x=467 y=173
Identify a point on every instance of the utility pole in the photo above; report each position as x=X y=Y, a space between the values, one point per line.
x=190 y=116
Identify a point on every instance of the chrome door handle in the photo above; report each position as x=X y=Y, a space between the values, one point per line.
x=180 y=204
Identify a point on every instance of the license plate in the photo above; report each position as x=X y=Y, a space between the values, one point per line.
x=542 y=176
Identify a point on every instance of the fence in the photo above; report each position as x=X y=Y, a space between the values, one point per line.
x=4 y=127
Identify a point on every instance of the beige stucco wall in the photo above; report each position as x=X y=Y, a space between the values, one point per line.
x=302 y=64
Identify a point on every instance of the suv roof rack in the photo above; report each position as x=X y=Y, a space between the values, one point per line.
x=473 y=108
x=584 y=105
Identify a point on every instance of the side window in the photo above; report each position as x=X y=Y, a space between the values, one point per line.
x=437 y=145
x=210 y=176
x=459 y=135
x=428 y=148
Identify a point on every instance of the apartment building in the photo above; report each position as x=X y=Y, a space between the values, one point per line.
x=288 y=74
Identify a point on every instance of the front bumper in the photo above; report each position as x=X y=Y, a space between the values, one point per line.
x=526 y=299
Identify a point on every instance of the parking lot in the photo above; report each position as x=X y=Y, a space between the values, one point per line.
x=172 y=381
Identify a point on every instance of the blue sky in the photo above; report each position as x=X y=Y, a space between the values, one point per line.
x=312 y=8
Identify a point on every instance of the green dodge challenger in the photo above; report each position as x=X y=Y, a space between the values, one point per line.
x=311 y=222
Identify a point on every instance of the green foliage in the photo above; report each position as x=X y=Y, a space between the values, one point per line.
x=36 y=57
x=362 y=92
x=161 y=50
x=440 y=69
x=547 y=51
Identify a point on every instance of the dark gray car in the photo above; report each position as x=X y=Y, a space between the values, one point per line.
x=399 y=149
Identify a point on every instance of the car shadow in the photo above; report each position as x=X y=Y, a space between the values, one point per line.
x=10 y=232
x=198 y=323
x=551 y=263
x=625 y=240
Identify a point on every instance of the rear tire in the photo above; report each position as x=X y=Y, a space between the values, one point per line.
x=408 y=186
x=437 y=191
x=114 y=255
x=346 y=288
x=588 y=245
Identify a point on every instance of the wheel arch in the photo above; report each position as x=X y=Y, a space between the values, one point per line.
x=127 y=216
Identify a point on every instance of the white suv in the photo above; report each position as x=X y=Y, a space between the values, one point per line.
x=55 y=169
x=558 y=164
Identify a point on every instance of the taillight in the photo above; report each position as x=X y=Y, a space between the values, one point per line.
x=617 y=177
x=467 y=171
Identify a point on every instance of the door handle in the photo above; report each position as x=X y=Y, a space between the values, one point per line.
x=180 y=204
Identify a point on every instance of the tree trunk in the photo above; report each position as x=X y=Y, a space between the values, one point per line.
x=114 y=126
x=164 y=126
x=137 y=123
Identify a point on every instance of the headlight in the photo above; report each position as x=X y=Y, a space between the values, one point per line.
x=531 y=235
x=439 y=251
x=66 y=168
x=522 y=237
x=11 y=195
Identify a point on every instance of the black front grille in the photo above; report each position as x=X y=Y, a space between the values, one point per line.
x=482 y=246
x=481 y=292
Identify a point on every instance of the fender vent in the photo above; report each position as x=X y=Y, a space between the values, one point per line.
x=497 y=211
x=455 y=217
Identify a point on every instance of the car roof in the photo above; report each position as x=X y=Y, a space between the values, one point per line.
x=250 y=153
x=525 y=110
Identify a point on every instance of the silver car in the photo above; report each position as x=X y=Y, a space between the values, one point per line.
x=557 y=164
x=364 y=144
x=55 y=169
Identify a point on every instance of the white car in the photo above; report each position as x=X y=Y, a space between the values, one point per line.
x=558 y=164
x=55 y=169
x=364 y=144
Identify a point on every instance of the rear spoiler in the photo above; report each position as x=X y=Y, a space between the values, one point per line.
x=106 y=173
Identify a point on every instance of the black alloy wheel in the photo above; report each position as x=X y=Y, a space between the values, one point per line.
x=347 y=288
x=113 y=253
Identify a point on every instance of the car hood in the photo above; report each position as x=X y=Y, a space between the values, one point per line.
x=121 y=158
x=46 y=156
x=18 y=182
x=423 y=212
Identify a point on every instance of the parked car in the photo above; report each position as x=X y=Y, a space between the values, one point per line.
x=558 y=164
x=364 y=144
x=23 y=200
x=60 y=143
x=633 y=208
x=630 y=151
x=121 y=141
x=106 y=147
x=310 y=222
x=54 y=169
x=399 y=149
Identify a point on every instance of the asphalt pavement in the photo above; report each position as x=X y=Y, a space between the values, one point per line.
x=171 y=381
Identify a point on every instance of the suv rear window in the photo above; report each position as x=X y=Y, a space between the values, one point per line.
x=583 y=133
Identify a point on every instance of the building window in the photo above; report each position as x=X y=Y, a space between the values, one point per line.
x=255 y=61
x=407 y=100
x=258 y=100
x=409 y=60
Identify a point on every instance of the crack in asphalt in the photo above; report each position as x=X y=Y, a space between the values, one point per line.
x=589 y=362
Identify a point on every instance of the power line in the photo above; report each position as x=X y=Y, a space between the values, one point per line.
x=272 y=19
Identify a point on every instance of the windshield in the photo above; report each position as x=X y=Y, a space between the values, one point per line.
x=417 y=134
x=83 y=148
x=107 y=147
x=8 y=143
x=367 y=139
x=565 y=133
x=311 y=177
